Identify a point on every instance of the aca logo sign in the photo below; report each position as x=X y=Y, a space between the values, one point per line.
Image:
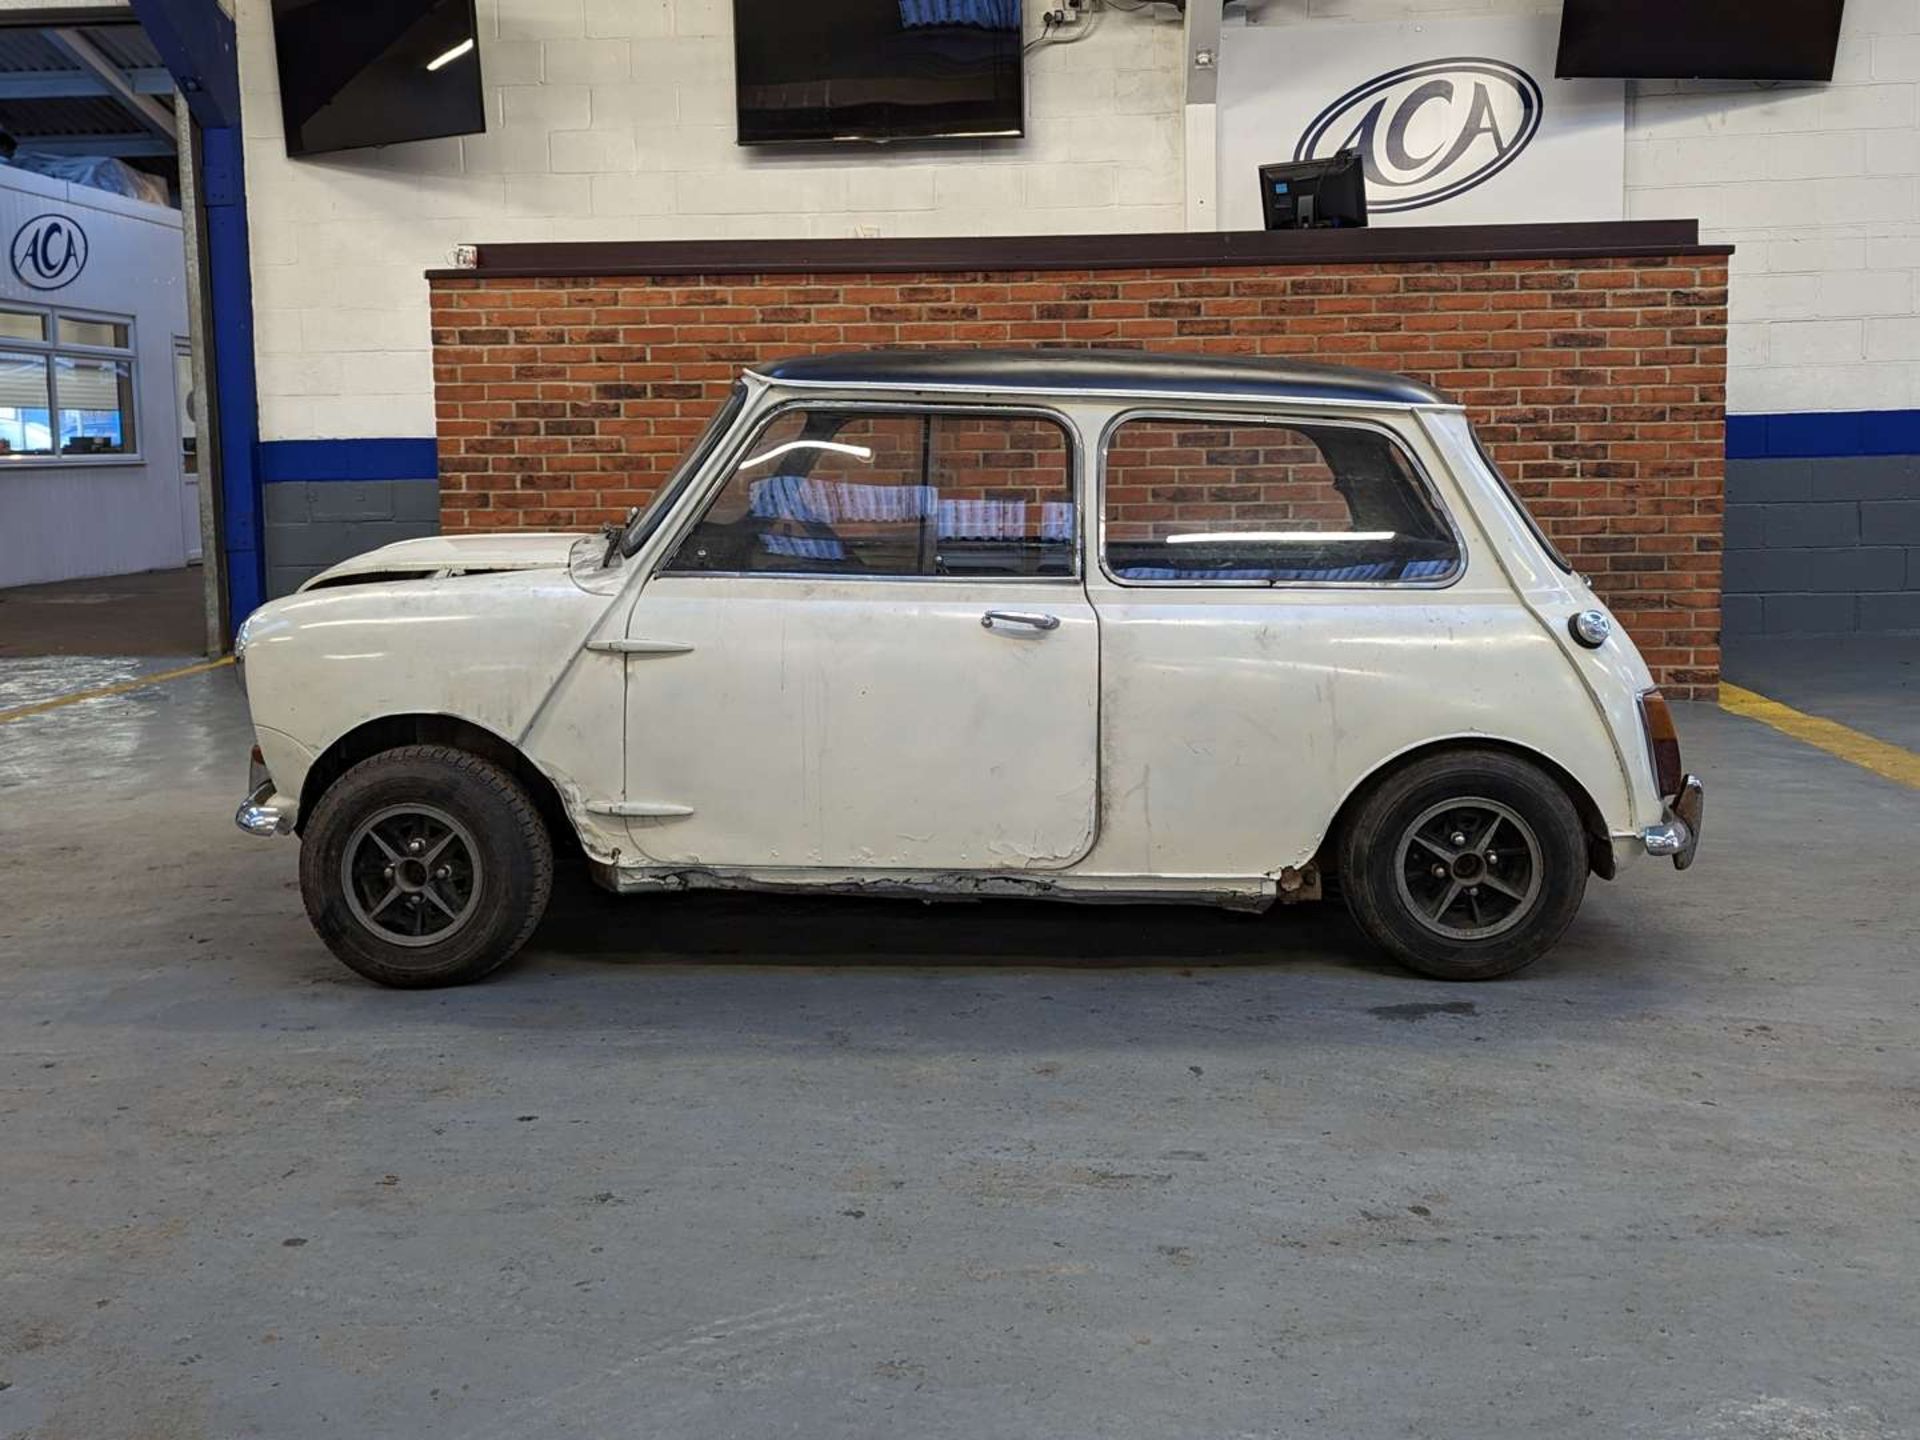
x=1430 y=131
x=49 y=252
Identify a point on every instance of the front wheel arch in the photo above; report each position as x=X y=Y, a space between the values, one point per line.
x=1600 y=857
x=393 y=732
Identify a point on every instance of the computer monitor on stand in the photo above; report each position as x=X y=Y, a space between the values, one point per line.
x=1315 y=194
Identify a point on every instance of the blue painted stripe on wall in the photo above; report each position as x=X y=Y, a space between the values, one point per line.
x=309 y=461
x=1823 y=436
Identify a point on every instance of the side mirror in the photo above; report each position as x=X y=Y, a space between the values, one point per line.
x=613 y=532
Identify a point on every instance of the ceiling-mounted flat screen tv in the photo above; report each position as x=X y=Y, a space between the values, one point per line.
x=1699 y=39
x=355 y=73
x=877 y=69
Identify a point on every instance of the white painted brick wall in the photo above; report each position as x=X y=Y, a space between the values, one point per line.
x=1819 y=188
x=613 y=119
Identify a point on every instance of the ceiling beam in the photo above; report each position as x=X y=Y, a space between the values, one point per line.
x=126 y=146
x=78 y=84
x=151 y=114
x=195 y=41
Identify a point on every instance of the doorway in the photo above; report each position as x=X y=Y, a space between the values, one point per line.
x=100 y=510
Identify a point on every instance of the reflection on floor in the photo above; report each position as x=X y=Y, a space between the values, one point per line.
x=35 y=681
x=159 y=612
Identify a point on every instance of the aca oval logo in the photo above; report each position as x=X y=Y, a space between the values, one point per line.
x=49 y=252
x=1430 y=131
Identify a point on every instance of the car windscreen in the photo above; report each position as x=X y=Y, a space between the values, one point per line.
x=648 y=520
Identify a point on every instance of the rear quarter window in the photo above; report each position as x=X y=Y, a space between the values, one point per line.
x=1196 y=500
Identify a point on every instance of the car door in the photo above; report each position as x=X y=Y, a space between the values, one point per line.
x=871 y=650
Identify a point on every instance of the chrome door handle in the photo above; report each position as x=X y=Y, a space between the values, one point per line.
x=1020 y=617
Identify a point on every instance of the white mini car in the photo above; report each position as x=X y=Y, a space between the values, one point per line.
x=1078 y=625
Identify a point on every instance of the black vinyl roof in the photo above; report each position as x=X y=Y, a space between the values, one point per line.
x=1106 y=371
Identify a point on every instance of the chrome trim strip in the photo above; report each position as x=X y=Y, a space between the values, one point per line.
x=817 y=577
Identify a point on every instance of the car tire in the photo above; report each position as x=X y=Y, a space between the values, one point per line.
x=1467 y=865
x=425 y=866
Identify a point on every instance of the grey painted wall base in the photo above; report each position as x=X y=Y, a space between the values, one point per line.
x=1823 y=547
x=313 y=525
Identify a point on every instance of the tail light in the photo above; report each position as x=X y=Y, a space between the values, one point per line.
x=1663 y=742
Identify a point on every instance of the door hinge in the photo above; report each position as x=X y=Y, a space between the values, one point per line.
x=640 y=647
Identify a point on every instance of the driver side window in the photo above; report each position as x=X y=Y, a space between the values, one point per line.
x=825 y=491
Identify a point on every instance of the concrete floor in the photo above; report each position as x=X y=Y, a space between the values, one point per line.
x=733 y=1167
x=1871 y=682
x=156 y=612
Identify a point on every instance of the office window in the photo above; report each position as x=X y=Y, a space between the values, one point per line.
x=66 y=386
x=81 y=330
x=26 y=407
x=96 y=405
x=22 y=325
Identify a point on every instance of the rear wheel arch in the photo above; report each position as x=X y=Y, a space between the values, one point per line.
x=394 y=732
x=1467 y=863
x=1599 y=840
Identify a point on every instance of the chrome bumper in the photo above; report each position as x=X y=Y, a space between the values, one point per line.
x=1678 y=835
x=259 y=815
x=265 y=812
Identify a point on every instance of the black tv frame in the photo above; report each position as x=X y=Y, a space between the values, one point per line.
x=744 y=135
x=293 y=124
x=1699 y=39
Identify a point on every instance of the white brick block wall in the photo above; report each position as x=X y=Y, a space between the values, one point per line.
x=1818 y=187
x=613 y=119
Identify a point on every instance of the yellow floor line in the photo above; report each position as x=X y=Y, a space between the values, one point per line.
x=1893 y=761
x=43 y=706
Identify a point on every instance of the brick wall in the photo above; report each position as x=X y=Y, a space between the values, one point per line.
x=1168 y=477
x=1598 y=384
